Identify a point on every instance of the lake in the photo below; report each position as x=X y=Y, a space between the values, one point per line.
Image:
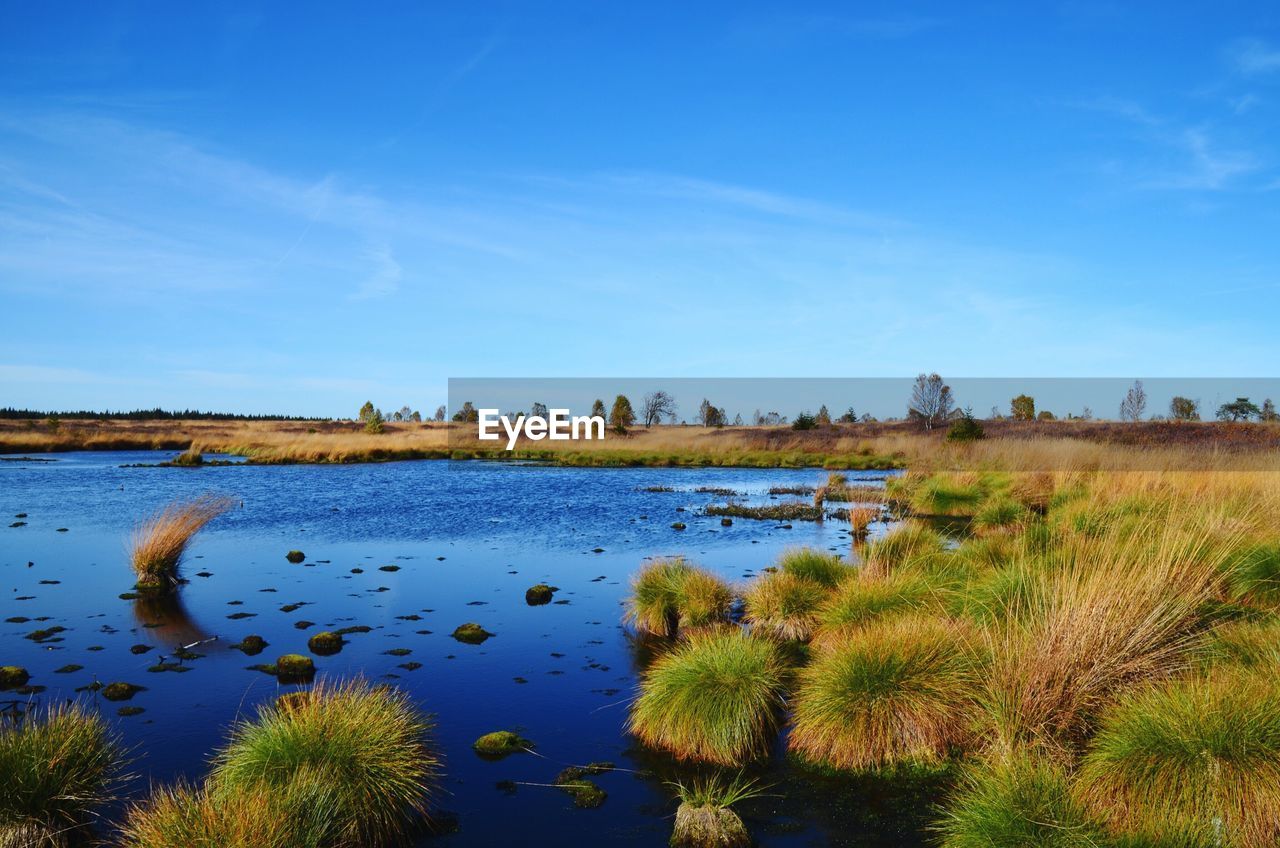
x=459 y=542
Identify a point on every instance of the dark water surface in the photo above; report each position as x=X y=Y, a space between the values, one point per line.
x=468 y=538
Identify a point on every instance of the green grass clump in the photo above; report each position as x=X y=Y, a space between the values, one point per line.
x=1245 y=644
x=301 y=813
x=670 y=594
x=716 y=698
x=901 y=690
x=56 y=767
x=500 y=743
x=951 y=494
x=910 y=544
x=1191 y=759
x=857 y=602
x=704 y=818
x=819 y=566
x=1000 y=513
x=367 y=746
x=1017 y=802
x=784 y=605
x=1255 y=573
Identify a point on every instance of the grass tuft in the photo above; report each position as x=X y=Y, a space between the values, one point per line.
x=670 y=594
x=1191 y=759
x=56 y=767
x=367 y=746
x=159 y=542
x=898 y=691
x=784 y=604
x=812 y=564
x=716 y=698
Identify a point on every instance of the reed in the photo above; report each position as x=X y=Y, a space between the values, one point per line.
x=715 y=698
x=898 y=691
x=159 y=543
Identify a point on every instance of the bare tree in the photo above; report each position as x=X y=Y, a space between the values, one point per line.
x=931 y=401
x=1134 y=404
x=656 y=406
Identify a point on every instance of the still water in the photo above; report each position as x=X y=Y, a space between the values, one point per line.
x=468 y=539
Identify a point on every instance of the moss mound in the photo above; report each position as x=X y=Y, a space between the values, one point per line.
x=294 y=667
x=251 y=645
x=295 y=557
x=536 y=596
x=325 y=644
x=500 y=743
x=585 y=794
x=13 y=676
x=121 y=691
x=471 y=633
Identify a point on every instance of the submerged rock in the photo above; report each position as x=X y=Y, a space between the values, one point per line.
x=500 y=743
x=13 y=676
x=121 y=691
x=251 y=645
x=471 y=633
x=540 y=594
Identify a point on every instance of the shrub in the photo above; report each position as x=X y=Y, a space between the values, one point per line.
x=966 y=429
x=812 y=564
x=58 y=765
x=898 y=691
x=160 y=541
x=716 y=698
x=1016 y=802
x=784 y=604
x=1191 y=758
x=368 y=746
x=668 y=594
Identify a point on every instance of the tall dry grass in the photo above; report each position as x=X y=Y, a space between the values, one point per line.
x=159 y=543
x=1109 y=611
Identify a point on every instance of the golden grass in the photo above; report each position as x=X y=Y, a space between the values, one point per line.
x=158 y=543
x=1111 y=611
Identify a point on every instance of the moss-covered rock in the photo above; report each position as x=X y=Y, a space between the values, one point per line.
x=500 y=743
x=538 y=595
x=471 y=633
x=121 y=691
x=295 y=557
x=13 y=676
x=325 y=644
x=585 y=794
x=679 y=525
x=251 y=645
x=295 y=668
x=572 y=773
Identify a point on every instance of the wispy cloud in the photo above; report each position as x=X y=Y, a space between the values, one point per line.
x=1180 y=156
x=1253 y=57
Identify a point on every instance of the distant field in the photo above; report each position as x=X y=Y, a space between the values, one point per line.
x=1009 y=444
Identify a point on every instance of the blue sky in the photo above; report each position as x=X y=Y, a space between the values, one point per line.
x=294 y=207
